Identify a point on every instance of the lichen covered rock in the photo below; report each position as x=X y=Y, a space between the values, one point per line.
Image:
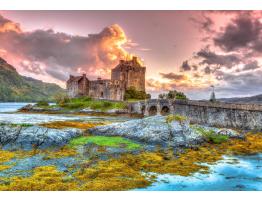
x=18 y=137
x=162 y=130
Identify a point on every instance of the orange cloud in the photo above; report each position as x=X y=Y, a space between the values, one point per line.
x=61 y=54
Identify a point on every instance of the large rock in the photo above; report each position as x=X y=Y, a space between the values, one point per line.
x=157 y=130
x=17 y=137
x=150 y=130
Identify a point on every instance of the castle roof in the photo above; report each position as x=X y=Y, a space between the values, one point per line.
x=75 y=78
x=133 y=62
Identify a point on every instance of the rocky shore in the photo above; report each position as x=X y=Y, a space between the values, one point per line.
x=58 y=110
x=166 y=131
x=27 y=138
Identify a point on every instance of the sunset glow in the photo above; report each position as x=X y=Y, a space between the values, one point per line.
x=182 y=50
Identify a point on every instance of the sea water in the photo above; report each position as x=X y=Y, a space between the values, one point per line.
x=234 y=173
x=8 y=115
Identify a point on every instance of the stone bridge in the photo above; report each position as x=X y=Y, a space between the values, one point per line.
x=243 y=116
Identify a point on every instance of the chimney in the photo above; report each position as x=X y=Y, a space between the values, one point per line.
x=84 y=75
x=71 y=77
x=121 y=61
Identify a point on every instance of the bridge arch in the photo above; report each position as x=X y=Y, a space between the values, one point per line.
x=165 y=110
x=152 y=110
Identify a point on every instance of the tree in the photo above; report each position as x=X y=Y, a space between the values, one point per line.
x=132 y=93
x=162 y=96
x=173 y=94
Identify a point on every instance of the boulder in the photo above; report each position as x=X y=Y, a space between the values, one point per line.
x=157 y=130
x=27 y=107
x=153 y=130
x=26 y=138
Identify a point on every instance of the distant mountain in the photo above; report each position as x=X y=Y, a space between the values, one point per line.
x=14 y=87
x=251 y=99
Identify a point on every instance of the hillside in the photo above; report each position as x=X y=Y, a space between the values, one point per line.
x=251 y=99
x=14 y=87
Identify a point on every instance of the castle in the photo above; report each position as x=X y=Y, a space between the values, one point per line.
x=126 y=74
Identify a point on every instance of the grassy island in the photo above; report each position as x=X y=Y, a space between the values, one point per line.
x=87 y=102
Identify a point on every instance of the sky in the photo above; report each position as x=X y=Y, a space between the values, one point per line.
x=188 y=51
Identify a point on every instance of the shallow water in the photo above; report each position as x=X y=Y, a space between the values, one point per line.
x=11 y=107
x=8 y=115
x=240 y=173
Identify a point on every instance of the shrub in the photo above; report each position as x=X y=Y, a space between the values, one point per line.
x=176 y=117
x=107 y=104
x=211 y=136
x=173 y=95
x=62 y=100
x=86 y=98
x=132 y=93
x=74 y=105
x=42 y=103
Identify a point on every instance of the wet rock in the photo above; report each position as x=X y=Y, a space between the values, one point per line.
x=87 y=110
x=27 y=138
x=156 y=130
x=27 y=107
x=117 y=111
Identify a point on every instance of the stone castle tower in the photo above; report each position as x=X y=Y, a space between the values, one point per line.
x=131 y=73
x=126 y=74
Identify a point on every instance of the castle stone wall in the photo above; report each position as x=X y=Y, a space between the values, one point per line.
x=124 y=75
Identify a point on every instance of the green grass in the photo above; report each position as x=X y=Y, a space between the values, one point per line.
x=176 y=117
x=86 y=102
x=210 y=135
x=15 y=125
x=104 y=141
x=42 y=103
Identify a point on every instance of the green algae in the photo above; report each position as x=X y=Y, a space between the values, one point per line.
x=210 y=135
x=117 y=142
x=175 y=117
x=128 y=171
x=71 y=124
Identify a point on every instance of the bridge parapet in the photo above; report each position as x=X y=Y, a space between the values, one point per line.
x=236 y=115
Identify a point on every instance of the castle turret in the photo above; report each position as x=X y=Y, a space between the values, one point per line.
x=132 y=73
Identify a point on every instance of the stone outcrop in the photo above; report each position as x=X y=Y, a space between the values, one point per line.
x=157 y=130
x=27 y=138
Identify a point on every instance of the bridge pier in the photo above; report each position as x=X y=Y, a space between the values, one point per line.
x=146 y=112
x=171 y=108
x=158 y=107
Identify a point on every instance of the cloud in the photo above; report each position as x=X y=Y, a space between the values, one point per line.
x=207 y=70
x=7 y=26
x=251 y=66
x=185 y=66
x=248 y=83
x=62 y=53
x=173 y=76
x=243 y=32
x=211 y=58
x=204 y=23
x=32 y=67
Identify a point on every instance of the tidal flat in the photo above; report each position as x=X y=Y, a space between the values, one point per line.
x=90 y=162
